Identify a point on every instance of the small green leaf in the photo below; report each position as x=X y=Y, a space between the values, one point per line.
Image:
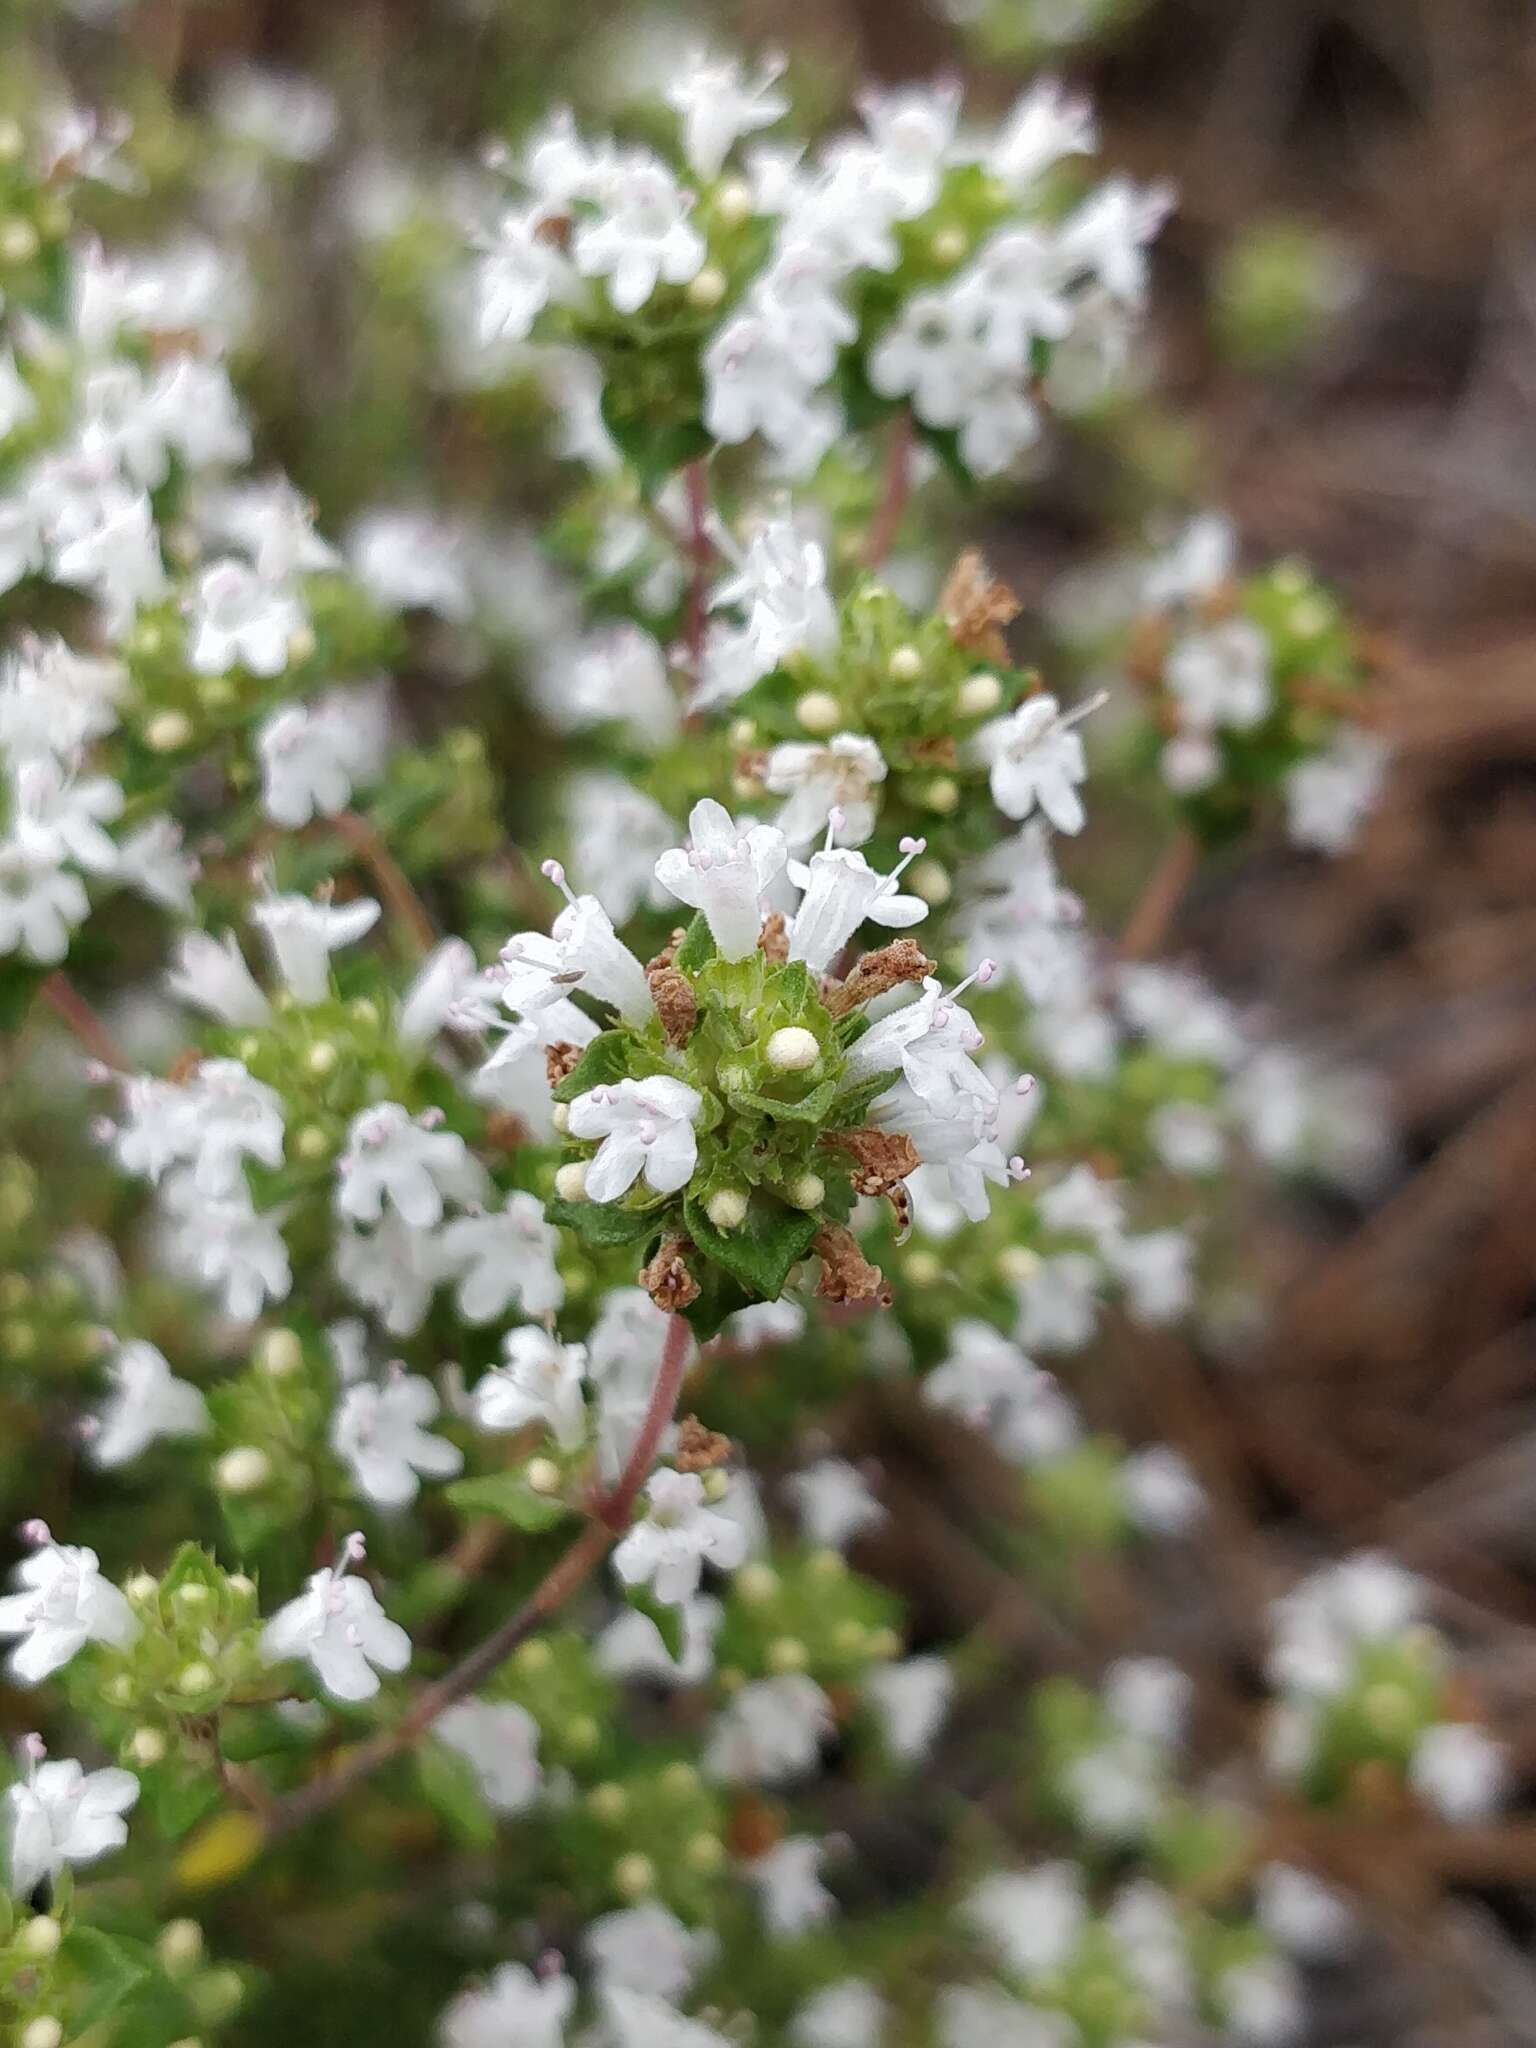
x=792 y=986
x=668 y=1619
x=111 y=1969
x=810 y=1108
x=509 y=1497
x=851 y=1108
x=452 y=1790
x=698 y=946
x=605 y=1060
x=759 y=1253
x=604 y=1222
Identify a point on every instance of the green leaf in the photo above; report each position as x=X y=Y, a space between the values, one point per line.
x=793 y=986
x=178 y=1793
x=758 y=1254
x=698 y=946
x=19 y=984
x=810 y=1108
x=111 y=1968
x=605 y=1060
x=509 y=1497
x=851 y=1108
x=719 y=1296
x=668 y=1620
x=604 y=1222
x=451 y=1789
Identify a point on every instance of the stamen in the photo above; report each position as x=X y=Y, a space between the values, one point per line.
x=552 y=871
x=353 y=1550
x=910 y=849
x=1082 y=711
x=36 y=1532
x=981 y=976
x=837 y=818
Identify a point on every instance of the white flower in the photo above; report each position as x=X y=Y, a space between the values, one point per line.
x=646 y=1127
x=228 y=1245
x=378 y=1434
x=1058 y=1302
x=1198 y=561
x=277 y=112
x=850 y=2014
x=61 y=816
x=840 y=891
x=1035 y=759
x=391 y=1157
x=499 y=1740
x=1460 y=1770
x=1328 y=799
x=1155 y=1271
x=1190 y=762
x=582 y=950
x=617 y=836
x=968 y=2013
x=780 y=582
x=1080 y=1204
x=17 y=404
x=718 y=105
x=64 y=1604
x=1187 y=1137
x=1302 y=1913
x=147 y=1402
x=645 y=1948
x=819 y=781
x=1321 y=1624
x=391 y=1269
x=40 y=904
x=834 y=1502
x=312 y=757
x=411 y=560
x=990 y=1384
x=512 y=2006
x=912 y=128
x=770 y=1731
x=1108 y=234
x=1262 y=2001
x=521 y=269
x=1148 y=1697
x=1220 y=676
x=543 y=1380
x=789 y=1888
x=230 y=1117
x=636 y=2020
x=337 y=1625
x=437 y=988
x=154 y=861
x=620 y=675
x=643 y=236
x=116 y=555
x=273 y=523
x=239 y=617
x=754 y=383
x=1180 y=1015
x=1034 y=1919
x=1162 y=1495
x=911 y=1699
x=302 y=935
x=504 y=1256
x=62 y=1814
x=631 y=1646
x=1043 y=126
x=668 y=1549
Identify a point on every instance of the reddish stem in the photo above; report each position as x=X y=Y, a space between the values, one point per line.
x=886 y=524
x=389 y=877
x=610 y=1515
x=66 y=1001
x=1147 y=926
x=701 y=554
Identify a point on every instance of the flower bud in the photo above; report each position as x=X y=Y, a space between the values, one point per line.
x=756 y=1583
x=167 y=732
x=40 y=1938
x=146 y=1746
x=180 y=1945
x=634 y=1875
x=705 y=1853
x=245 y=1469
x=571 y=1181
x=922 y=1269
x=793 y=1050
x=18 y=244
x=808 y=1191
x=196 y=1678
x=280 y=1353
x=819 y=711
x=906 y=665
x=733 y=202
x=560 y=1115
x=787 y=1653
x=609 y=1802
x=942 y=794
x=708 y=288
x=42 y=2033
x=321 y=1058
x=543 y=1475
x=979 y=695
x=727 y=1207
x=930 y=880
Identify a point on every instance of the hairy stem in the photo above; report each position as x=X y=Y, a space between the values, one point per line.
x=889 y=513
x=1147 y=926
x=701 y=554
x=610 y=1515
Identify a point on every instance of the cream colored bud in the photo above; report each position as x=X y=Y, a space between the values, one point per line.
x=942 y=795
x=727 y=1208
x=142 y=1586
x=950 y=244
x=756 y=1583
x=12 y=141
x=930 y=880
x=42 y=2033
x=311 y=1142
x=534 y=1655
x=1017 y=1264
x=560 y=1116
x=280 y=1353
x=571 y=1181
x=40 y=1937
x=829 y=1564
x=743 y=732
x=906 y=664
x=634 y=1875
x=245 y=1469
x=733 y=202
x=680 y=1778
x=168 y=731
x=18 y=241
x=180 y=1944
x=793 y=1050
x=301 y=644
x=322 y=1057
x=708 y=288
x=717 y=1485
x=922 y=1269
x=808 y=1191
x=196 y=1678
x=239 y=1584
x=819 y=711
x=980 y=695
x=543 y=1475
x=609 y=1802
x=787 y=1653
x=147 y=1747
x=705 y=1853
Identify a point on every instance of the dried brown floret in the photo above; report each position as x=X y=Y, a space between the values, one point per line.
x=846 y=1275
x=881 y=1159
x=699 y=1449
x=676 y=1004
x=887 y=968
x=938 y=751
x=668 y=952
x=666 y=1279
x=505 y=1132
x=976 y=606
x=773 y=939
x=559 y=1060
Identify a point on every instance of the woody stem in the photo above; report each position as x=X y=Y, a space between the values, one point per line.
x=609 y=1516
x=1147 y=926
x=886 y=524
x=66 y=1001
x=389 y=877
